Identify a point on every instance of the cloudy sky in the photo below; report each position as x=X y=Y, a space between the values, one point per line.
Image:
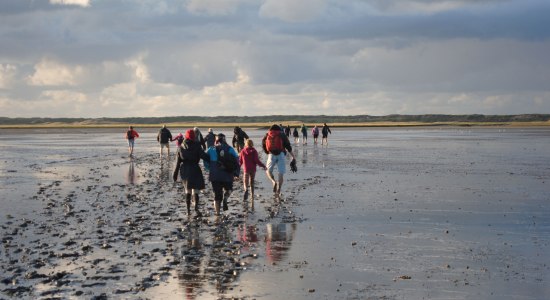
x=117 y=58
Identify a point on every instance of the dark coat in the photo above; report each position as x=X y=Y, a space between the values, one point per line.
x=187 y=165
x=164 y=136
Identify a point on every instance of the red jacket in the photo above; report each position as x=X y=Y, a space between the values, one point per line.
x=133 y=134
x=248 y=159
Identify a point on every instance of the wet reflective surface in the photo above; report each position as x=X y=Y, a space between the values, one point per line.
x=379 y=213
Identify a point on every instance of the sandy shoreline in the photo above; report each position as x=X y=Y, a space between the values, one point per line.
x=379 y=214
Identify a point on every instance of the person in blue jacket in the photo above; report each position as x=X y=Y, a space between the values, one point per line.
x=221 y=179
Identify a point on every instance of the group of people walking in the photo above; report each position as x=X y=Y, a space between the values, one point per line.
x=223 y=162
x=325 y=131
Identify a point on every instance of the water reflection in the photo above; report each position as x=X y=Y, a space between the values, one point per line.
x=278 y=241
x=191 y=275
x=165 y=171
x=131 y=176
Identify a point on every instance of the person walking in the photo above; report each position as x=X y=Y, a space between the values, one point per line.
x=315 y=133
x=199 y=138
x=248 y=159
x=221 y=174
x=287 y=130
x=296 y=136
x=276 y=145
x=210 y=138
x=187 y=167
x=304 y=134
x=163 y=137
x=131 y=135
x=325 y=131
x=238 y=138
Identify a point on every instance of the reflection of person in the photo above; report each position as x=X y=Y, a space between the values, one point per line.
x=248 y=159
x=278 y=241
x=276 y=144
x=210 y=138
x=325 y=131
x=190 y=276
x=222 y=180
x=187 y=166
x=315 y=133
x=304 y=134
x=131 y=176
x=131 y=135
x=238 y=138
x=163 y=137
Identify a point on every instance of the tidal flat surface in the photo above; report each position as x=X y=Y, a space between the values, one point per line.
x=389 y=213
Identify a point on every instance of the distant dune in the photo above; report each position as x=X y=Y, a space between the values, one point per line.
x=292 y=120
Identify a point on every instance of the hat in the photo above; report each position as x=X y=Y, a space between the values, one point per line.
x=275 y=127
x=190 y=135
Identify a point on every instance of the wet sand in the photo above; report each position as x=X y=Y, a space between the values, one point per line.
x=424 y=213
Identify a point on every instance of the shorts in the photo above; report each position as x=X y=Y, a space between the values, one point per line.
x=162 y=145
x=276 y=160
x=131 y=143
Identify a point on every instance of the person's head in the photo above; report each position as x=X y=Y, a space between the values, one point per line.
x=249 y=143
x=190 y=135
x=164 y=126
x=274 y=127
x=236 y=129
x=220 y=138
x=210 y=130
x=131 y=127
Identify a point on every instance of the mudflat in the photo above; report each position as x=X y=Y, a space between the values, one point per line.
x=378 y=213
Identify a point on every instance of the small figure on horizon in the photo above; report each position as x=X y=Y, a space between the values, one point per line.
x=131 y=135
x=248 y=159
x=325 y=131
x=315 y=133
x=276 y=144
x=187 y=166
x=163 y=137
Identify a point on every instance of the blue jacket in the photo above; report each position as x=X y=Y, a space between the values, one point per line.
x=215 y=174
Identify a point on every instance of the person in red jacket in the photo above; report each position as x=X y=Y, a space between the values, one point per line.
x=248 y=159
x=131 y=135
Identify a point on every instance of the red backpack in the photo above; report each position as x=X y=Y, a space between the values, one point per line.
x=274 y=142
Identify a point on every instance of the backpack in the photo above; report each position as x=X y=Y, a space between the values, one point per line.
x=129 y=135
x=226 y=161
x=274 y=142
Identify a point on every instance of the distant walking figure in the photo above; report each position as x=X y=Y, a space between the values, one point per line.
x=315 y=133
x=163 y=137
x=304 y=134
x=210 y=138
x=131 y=135
x=325 y=131
x=238 y=138
x=296 y=135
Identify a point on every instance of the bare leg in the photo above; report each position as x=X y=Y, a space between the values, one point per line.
x=280 y=184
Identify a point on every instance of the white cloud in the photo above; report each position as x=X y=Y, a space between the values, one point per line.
x=141 y=72
x=7 y=75
x=293 y=11
x=83 y=3
x=52 y=73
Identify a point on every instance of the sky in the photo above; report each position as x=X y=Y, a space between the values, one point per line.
x=142 y=58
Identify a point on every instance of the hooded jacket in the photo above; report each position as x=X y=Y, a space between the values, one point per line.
x=248 y=159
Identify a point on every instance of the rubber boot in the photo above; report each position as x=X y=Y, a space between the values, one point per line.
x=225 y=197
x=188 y=202
x=197 y=211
